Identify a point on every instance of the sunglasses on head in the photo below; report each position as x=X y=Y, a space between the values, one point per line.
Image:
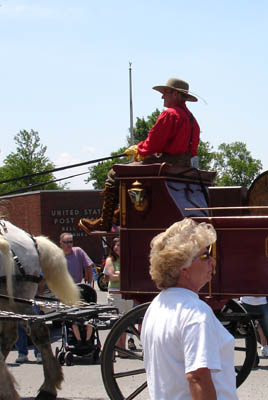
x=67 y=241
x=204 y=256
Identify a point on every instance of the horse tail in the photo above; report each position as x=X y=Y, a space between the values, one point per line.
x=8 y=263
x=54 y=267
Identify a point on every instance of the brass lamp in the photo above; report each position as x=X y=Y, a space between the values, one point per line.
x=138 y=196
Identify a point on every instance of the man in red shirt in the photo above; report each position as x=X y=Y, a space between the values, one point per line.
x=173 y=139
x=176 y=131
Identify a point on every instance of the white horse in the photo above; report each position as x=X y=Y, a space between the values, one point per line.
x=23 y=259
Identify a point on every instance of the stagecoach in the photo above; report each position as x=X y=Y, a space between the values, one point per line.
x=152 y=197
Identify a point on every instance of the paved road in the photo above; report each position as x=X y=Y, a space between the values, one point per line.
x=83 y=381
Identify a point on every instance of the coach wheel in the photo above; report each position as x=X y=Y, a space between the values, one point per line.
x=244 y=333
x=103 y=286
x=68 y=358
x=118 y=372
x=96 y=355
x=61 y=358
x=57 y=350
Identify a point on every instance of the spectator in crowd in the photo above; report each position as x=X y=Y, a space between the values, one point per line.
x=79 y=263
x=188 y=353
x=80 y=267
x=259 y=305
x=112 y=269
x=22 y=342
x=94 y=275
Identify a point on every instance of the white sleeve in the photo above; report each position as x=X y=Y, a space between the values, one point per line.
x=201 y=346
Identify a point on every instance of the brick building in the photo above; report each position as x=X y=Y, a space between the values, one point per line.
x=51 y=212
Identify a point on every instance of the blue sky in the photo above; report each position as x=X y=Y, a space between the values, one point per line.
x=64 y=71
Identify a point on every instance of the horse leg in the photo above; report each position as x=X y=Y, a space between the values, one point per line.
x=8 y=337
x=7 y=382
x=53 y=375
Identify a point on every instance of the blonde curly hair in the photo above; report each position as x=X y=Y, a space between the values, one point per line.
x=175 y=248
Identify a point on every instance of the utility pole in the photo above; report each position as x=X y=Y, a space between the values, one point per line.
x=131 y=106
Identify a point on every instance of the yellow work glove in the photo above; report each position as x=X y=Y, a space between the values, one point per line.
x=132 y=151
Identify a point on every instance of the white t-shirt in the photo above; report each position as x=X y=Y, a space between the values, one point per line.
x=180 y=334
x=254 y=301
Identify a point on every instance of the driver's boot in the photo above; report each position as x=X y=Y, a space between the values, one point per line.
x=104 y=223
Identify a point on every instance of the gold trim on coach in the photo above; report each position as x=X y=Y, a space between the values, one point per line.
x=123 y=203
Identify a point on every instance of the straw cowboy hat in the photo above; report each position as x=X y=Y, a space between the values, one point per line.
x=179 y=85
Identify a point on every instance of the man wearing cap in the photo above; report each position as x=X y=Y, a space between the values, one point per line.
x=173 y=139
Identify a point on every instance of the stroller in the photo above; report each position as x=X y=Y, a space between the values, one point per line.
x=88 y=349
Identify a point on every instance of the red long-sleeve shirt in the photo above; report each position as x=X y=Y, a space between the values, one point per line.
x=171 y=134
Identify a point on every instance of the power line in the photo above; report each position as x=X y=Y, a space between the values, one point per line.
x=62 y=168
x=40 y=184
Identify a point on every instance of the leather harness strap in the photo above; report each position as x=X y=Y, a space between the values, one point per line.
x=28 y=278
x=24 y=276
x=191 y=119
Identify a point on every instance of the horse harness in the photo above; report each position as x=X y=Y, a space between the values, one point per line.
x=22 y=276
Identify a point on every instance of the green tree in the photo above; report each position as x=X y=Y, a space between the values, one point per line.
x=28 y=159
x=206 y=155
x=235 y=165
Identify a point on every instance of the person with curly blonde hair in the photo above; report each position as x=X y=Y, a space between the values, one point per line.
x=188 y=354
